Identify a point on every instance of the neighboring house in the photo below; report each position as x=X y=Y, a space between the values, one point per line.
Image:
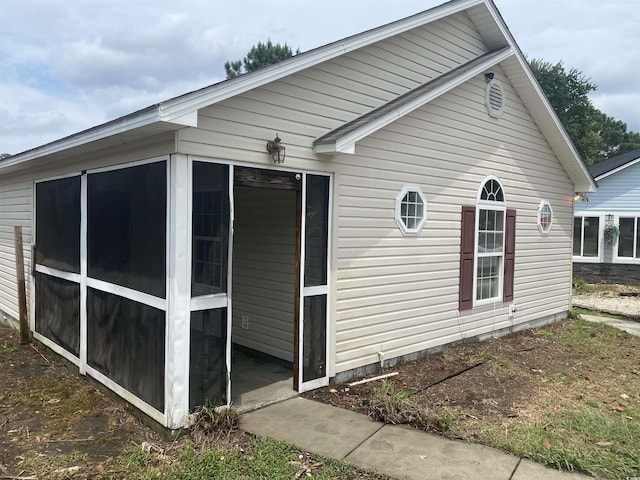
x=616 y=203
x=426 y=197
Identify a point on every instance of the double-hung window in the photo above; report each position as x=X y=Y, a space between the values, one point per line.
x=487 y=256
x=490 y=241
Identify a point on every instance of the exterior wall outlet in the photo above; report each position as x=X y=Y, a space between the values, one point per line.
x=245 y=322
x=512 y=311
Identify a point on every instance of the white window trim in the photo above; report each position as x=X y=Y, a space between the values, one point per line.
x=497 y=206
x=601 y=220
x=406 y=231
x=625 y=260
x=541 y=229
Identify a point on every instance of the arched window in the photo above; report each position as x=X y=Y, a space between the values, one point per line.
x=487 y=248
x=490 y=240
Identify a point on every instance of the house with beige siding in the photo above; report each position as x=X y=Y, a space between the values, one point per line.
x=363 y=202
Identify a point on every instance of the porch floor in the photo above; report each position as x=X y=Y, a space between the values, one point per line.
x=257 y=381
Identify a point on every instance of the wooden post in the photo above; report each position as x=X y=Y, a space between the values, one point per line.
x=22 y=293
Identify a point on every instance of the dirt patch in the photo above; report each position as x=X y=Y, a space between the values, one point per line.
x=508 y=381
x=48 y=413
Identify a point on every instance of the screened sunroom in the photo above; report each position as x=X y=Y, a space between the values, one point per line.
x=178 y=281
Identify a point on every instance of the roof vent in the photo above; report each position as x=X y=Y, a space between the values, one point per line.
x=494 y=97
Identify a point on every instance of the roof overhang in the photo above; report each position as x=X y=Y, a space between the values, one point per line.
x=344 y=138
x=182 y=112
x=616 y=170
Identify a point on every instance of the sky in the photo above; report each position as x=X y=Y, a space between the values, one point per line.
x=68 y=65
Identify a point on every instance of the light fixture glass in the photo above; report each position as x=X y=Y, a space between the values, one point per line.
x=276 y=149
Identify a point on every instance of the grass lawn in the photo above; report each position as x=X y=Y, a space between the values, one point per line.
x=57 y=425
x=566 y=395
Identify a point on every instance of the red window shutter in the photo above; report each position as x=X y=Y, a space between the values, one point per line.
x=467 y=252
x=509 y=255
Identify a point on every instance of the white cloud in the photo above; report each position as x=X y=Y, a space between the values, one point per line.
x=67 y=66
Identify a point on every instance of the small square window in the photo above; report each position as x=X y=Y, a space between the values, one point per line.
x=411 y=210
x=545 y=217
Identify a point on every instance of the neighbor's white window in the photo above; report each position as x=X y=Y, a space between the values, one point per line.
x=629 y=239
x=411 y=210
x=586 y=237
x=545 y=217
x=490 y=240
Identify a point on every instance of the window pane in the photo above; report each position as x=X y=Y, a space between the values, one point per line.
x=126 y=237
x=577 y=236
x=58 y=311
x=125 y=342
x=488 y=277
x=490 y=231
x=207 y=358
x=591 y=230
x=545 y=217
x=625 y=240
x=58 y=224
x=317 y=231
x=210 y=228
x=314 y=341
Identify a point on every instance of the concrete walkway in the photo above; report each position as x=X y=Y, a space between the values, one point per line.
x=630 y=326
x=398 y=451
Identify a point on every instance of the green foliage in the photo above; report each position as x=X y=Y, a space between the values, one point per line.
x=259 y=56
x=263 y=458
x=4 y=155
x=579 y=285
x=596 y=135
x=599 y=443
x=611 y=234
x=393 y=405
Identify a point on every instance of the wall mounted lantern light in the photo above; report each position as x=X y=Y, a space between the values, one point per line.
x=580 y=196
x=276 y=149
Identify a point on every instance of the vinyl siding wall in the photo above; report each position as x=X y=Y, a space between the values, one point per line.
x=264 y=270
x=393 y=293
x=15 y=210
x=617 y=192
x=399 y=294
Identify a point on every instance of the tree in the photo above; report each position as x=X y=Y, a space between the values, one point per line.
x=4 y=155
x=596 y=135
x=259 y=56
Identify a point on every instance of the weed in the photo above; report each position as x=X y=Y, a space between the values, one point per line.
x=55 y=467
x=579 y=285
x=574 y=313
x=394 y=406
x=211 y=424
x=444 y=422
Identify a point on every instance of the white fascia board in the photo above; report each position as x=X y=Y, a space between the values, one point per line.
x=547 y=111
x=347 y=143
x=616 y=170
x=100 y=132
x=222 y=91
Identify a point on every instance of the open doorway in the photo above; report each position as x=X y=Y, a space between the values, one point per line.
x=258 y=328
x=265 y=288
